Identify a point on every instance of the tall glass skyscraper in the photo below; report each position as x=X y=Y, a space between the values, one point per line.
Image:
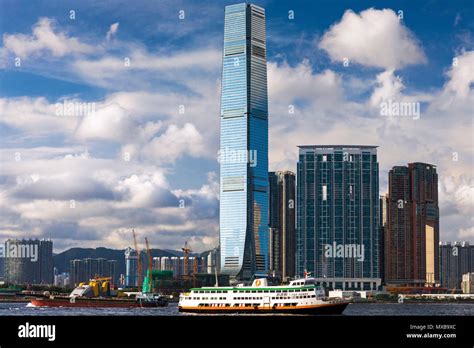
x=244 y=144
x=338 y=234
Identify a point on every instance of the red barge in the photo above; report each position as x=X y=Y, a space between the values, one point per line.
x=97 y=294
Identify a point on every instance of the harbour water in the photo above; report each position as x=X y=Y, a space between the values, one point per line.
x=354 y=309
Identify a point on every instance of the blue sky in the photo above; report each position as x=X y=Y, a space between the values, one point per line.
x=175 y=65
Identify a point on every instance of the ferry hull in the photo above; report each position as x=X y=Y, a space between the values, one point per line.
x=319 y=309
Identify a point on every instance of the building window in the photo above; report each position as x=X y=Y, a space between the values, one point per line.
x=325 y=192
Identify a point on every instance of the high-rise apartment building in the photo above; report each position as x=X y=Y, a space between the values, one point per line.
x=76 y=272
x=454 y=261
x=282 y=208
x=28 y=261
x=89 y=268
x=338 y=216
x=244 y=144
x=412 y=233
x=111 y=271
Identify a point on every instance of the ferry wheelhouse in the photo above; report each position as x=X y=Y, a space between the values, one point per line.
x=300 y=296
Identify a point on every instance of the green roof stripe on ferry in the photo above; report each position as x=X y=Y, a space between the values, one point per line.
x=252 y=289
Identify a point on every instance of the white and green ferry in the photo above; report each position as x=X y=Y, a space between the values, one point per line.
x=300 y=296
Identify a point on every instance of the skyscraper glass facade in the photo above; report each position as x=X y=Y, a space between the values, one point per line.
x=338 y=232
x=244 y=144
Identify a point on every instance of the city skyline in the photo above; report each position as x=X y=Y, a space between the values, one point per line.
x=81 y=182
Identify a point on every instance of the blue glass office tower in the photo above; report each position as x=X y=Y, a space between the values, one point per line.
x=338 y=234
x=244 y=144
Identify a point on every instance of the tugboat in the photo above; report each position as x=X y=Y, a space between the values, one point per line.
x=301 y=296
x=97 y=294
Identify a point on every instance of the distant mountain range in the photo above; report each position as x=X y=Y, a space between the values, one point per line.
x=61 y=260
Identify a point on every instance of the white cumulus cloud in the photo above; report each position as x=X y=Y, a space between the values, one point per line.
x=373 y=38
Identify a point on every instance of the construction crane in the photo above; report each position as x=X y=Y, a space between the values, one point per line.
x=150 y=265
x=186 y=250
x=139 y=260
